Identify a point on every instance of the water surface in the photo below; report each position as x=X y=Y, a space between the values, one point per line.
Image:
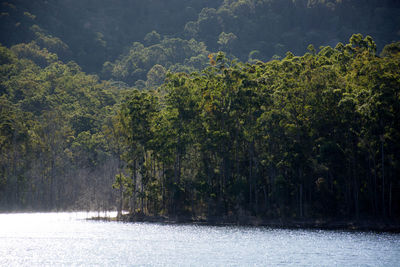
x=66 y=239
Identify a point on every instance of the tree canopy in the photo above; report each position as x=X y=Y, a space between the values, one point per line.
x=309 y=136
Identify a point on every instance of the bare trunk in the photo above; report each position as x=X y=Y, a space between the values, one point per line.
x=250 y=175
x=301 y=200
x=383 y=179
x=355 y=184
x=119 y=208
x=390 y=199
x=265 y=198
x=134 y=181
x=163 y=185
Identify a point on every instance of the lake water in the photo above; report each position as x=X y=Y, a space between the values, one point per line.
x=67 y=239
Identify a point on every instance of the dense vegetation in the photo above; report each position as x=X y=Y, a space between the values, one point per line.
x=54 y=152
x=94 y=32
x=165 y=125
x=308 y=136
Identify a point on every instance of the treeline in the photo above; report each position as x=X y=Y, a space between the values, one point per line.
x=253 y=131
x=307 y=136
x=95 y=33
x=54 y=149
x=145 y=65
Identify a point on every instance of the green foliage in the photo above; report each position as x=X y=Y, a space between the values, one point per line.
x=141 y=61
x=40 y=56
x=309 y=136
x=305 y=136
x=92 y=34
x=52 y=116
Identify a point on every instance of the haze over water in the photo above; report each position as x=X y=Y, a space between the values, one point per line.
x=55 y=239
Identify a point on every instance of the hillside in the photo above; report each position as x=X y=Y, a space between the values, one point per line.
x=93 y=33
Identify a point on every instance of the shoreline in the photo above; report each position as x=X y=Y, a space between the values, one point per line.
x=381 y=226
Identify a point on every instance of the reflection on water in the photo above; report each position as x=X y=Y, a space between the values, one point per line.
x=39 y=239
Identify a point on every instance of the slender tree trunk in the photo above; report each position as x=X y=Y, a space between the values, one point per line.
x=390 y=199
x=265 y=198
x=250 y=175
x=142 y=188
x=301 y=200
x=355 y=183
x=255 y=179
x=375 y=186
x=14 y=187
x=120 y=190
x=177 y=181
x=383 y=178
x=162 y=185
x=134 y=192
x=121 y=196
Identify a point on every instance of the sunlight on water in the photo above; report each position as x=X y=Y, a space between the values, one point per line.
x=39 y=239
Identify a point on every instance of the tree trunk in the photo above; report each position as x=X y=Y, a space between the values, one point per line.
x=250 y=175
x=355 y=184
x=383 y=179
x=142 y=191
x=301 y=200
x=119 y=208
x=390 y=199
x=163 y=185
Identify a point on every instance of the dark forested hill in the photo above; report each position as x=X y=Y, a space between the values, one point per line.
x=93 y=32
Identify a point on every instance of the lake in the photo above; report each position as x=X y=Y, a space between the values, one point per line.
x=66 y=239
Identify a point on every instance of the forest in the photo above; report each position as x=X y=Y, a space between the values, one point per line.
x=201 y=109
